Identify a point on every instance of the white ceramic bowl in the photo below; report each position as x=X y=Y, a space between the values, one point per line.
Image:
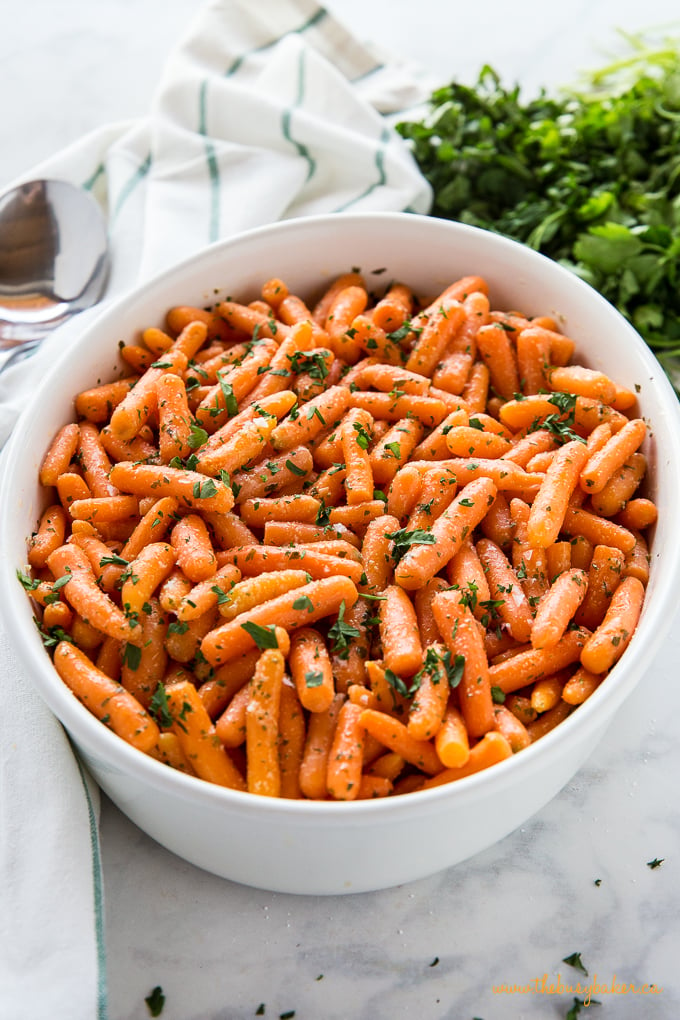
x=325 y=848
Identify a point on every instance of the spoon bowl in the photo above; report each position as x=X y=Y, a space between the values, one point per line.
x=54 y=259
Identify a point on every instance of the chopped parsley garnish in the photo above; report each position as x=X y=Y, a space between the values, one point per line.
x=403 y=540
x=204 y=490
x=159 y=708
x=574 y=960
x=304 y=602
x=313 y=678
x=656 y=863
x=197 y=437
x=113 y=560
x=497 y=695
x=264 y=637
x=155 y=1001
x=314 y=365
x=341 y=632
x=132 y=656
x=230 y=401
x=295 y=469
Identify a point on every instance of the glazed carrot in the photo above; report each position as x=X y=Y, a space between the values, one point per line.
x=257 y=559
x=355 y=437
x=71 y=487
x=143 y=576
x=607 y=644
x=95 y=462
x=429 y=704
x=509 y=726
x=612 y=456
x=197 y=738
x=48 y=537
x=548 y=720
x=208 y=593
x=139 y=448
x=584 y=382
x=377 y=552
x=394 y=308
x=588 y=414
x=349 y=659
x=637 y=514
x=84 y=595
x=438 y=489
x=547 y=691
x=434 y=331
x=189 y=487
x=345 y=758
x=105 y=698
x=394 y=406
x=299 y=507
x=498 y=525
x=266 y=478
x=464 y=441
x=96 y=404
x=399 y=634
x=557 y=607
x=550 y=505
x=394 y=735
x=297 y=533
x=533 y=359
x=104 y=509
x=581 y=552
x=387 y=691
x=251 y=321
x=227 y=530
x=356 y=516
x=311 y=669
x=262 y=725
x=498 y=354
x=451 y=740
x=510 y=604
x=521 y=708
x=169 y=752
x=174 y=418
x=580 y=686
x=252 y=591
x=370 y=338
x=404 y=491
x=434 y=445
x=231 y=725
x=193 y=548
x=393 y=450
x=57 y=614
x=389 y=765
x=598 y=530
x=277 y=375
x=84 y=635
x=372 y=786
x=449 y=531
x=466 y=572
x=528 y=666
x=503 y=473
x=173 y=589
x=224 y=683
x=290 y=610
x=314 y=764
x=151 y=527
x=235 y=384
x=523 y=450
x=142 y=672
x=292 y=735
x=59 y=454
x=463 y=638
x=490 y=750
x=476 y=388
x=345 y=306
x=319 y=413
x=134 y=409
x=184 y=639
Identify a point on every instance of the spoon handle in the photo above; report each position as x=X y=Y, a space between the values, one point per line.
x=18 y=354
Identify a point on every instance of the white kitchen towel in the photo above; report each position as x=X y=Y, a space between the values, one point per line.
x=268 y=110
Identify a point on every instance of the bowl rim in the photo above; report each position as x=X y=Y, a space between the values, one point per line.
x=88 y=732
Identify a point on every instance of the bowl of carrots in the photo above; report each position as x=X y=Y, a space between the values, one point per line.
x=342 y=543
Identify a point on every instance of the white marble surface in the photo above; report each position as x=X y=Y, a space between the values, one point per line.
x=511 y=914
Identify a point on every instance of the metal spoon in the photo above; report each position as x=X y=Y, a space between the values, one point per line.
x=54 y=259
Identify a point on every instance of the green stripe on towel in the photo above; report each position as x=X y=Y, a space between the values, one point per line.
x=98 y=900
x=211 y=161
x=286 y=119
x=130 y=185
x=318 y=16
x=380 y=167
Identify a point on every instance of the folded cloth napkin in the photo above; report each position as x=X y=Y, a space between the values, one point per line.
x=266 y=111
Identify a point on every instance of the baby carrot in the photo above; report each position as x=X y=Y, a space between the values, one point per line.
x=463 y=637
x=612 y=456
x=490 y=750
x=394 y=735
x=189 y=487
x=105 y=698
x=143 y=576
x=142 y=673
x=510 y=604
x=527 y=666
x=193 y=548
x=428 y=707
x=355 y=437
x=451 y=740
x=607 y=644
x=345 y=758
x=291 y=743
x=314 y=764
x=208 y=593
x=262 y=725
x=311 y=670
x=49 y=536
x=300 y=607
x=59 y=454
x=514 y=731
x=557 y=607
x=84 y=595
x=298 y=428
x=377 y=552
x=258 y=559
x=449 y=531
x=138 y=403
x=580 y=686
x=196 y=735
x=399 y=634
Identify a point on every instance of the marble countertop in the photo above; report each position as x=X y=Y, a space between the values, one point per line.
x=573 y=879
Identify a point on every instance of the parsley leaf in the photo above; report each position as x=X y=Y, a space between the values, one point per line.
x=264 y=637
x=574 y=960
x=403 y=540
x=159 y=708
x=155 y=1001
x=341 y=632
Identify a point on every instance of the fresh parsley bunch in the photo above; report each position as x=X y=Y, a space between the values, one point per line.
x=591 y=179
